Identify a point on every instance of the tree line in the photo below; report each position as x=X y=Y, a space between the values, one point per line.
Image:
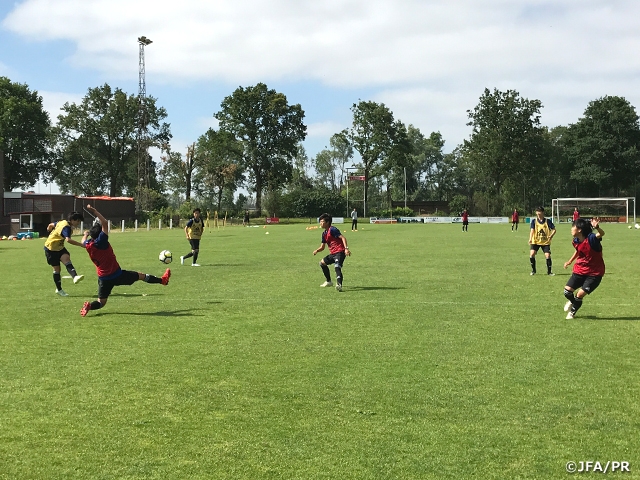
x=510 y=160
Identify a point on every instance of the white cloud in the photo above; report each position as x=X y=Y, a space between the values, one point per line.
x=341 y=42
x=205 y=123
x=324 y=129
x=428 y=60
x=53 y=102
x=5 y=71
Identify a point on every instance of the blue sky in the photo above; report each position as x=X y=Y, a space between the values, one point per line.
x=428 y=61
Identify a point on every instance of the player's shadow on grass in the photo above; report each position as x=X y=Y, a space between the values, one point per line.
x=593 y=317
x=374 y=288
x=135 y=294
x=224 y=265
x=161 y=313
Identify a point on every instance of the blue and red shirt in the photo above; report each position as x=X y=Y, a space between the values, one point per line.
x=102 y=256
x=332 y=238
x=589 y=261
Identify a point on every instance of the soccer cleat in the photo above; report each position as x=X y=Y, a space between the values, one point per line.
x=570 y=315
x=165 y=277
x=532 y=273
x=181 y=260
x=62 y=293
x=78 y=278
x=85 y=309
x=339 y=287
x=551 y=274
x=195 y=264
x=327 y=284
x=567 y=306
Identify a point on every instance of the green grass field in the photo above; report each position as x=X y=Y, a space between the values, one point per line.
x=441 y=359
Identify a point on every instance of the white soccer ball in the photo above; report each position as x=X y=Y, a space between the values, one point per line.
x=165 y=256
x=637 y=226
x=629 y=227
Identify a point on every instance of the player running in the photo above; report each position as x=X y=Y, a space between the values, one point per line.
x=109 y=272
x=55 y=251
x=540 y=236
x=337 y=251
x=589 y=268
x=193 y=230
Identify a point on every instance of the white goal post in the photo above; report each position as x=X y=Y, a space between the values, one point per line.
x=609 y=209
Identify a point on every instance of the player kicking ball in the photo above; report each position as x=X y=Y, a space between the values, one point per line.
x=337 y=251
x=109 y=272
x=589 y=267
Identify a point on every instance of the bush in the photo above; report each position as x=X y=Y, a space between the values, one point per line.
x=312 y=203
x=392 y=213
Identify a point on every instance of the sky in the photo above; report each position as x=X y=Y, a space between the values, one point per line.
x=428 y=61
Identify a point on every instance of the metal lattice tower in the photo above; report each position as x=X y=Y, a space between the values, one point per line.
x=143 y=156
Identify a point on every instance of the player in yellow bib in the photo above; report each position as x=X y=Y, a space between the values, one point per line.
x=55 y=251
x=193 y=230
x=540 y=236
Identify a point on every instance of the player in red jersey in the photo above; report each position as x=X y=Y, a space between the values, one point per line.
x=337 y=251
x=465 y=220
x=589 y=268
x=576 y=214
x=515 y=219
x=109 y=272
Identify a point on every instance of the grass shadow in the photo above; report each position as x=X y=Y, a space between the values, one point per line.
x=161 y=313
x=374 y=288
x=134 y=295
x=226 y=265
x=593 y=317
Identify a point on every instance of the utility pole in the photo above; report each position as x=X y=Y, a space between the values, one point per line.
x=143 y=161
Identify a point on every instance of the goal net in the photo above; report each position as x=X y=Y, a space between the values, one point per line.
x=615 y=210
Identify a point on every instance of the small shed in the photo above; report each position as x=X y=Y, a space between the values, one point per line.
x=28 y=211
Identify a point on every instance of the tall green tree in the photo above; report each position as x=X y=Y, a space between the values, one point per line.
x=330 y=163
x=24 y=135
x=97 y=141
x=398 y=164
x=220 y=169
x=603 y=146
x=372 y=134
x=507 y=141
x=301 y=165
x=341 y=153
x=177 y=172
x=269 y=129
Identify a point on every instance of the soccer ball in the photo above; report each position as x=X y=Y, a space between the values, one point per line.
x=637 y=226
x=165 y=256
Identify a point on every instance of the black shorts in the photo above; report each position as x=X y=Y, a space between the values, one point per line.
x=53 y=256
x=545 y=248
x=195 y=243
x=465 y=222
x=337 y=258
x=585 y=282
x=127 y=277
